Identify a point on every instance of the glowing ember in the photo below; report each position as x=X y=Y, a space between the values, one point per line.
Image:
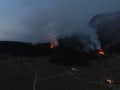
x=101 y=52
x=53 y=45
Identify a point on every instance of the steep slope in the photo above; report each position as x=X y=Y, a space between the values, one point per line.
x=108 y=28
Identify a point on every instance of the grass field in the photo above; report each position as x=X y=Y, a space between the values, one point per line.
x=37 y=73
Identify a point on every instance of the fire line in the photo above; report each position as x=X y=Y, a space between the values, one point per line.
x=101 y=52
x=53 y=45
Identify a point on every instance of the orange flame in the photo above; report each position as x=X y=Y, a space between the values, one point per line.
x=53 y=45
x=101 y=52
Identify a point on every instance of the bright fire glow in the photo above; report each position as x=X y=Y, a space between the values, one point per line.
x=101 y=52
x=53 y=45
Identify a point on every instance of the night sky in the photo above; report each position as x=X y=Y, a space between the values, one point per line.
x=46 y=20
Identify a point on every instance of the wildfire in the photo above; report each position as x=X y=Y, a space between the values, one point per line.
x=53 y=45
x=101 y=52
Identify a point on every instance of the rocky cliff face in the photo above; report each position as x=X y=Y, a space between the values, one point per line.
x=108 y=28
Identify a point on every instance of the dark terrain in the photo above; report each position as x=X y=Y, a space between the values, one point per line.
x=24 y=73
x=25 y=66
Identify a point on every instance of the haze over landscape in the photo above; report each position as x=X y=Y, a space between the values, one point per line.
x=48 y=20
x=59 y=44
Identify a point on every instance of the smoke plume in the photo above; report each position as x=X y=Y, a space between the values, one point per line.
x=49 y=20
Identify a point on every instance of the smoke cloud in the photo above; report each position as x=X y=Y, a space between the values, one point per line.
x=48 y=20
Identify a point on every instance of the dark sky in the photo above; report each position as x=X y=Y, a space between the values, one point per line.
x=47 y=20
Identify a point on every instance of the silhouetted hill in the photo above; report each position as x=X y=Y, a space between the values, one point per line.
x=108 y=29
x=68 y=52
x=21 y=48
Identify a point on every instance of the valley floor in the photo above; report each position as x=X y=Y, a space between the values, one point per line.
x=37 y=73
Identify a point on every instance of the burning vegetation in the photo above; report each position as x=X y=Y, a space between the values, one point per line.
x=101 y=52
x=53 y=45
